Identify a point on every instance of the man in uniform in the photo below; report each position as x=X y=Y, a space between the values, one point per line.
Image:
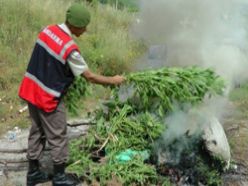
x=54 y=63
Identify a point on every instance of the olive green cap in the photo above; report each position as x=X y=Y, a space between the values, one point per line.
x=77 y=15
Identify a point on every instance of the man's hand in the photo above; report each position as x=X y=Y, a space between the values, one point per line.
x=117 y=80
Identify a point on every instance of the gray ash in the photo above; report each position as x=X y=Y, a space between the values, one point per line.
x=190 y=164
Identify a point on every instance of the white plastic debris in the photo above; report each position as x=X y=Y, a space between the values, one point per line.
x=216 y=140
x=11 y=136
x=17 y=130
x=23 y=109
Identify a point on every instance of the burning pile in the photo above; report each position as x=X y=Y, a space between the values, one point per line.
x=121 y=145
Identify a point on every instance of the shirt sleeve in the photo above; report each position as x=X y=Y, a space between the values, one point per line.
x=77 y=63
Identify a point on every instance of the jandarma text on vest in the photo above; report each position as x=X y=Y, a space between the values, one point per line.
x=53 y=36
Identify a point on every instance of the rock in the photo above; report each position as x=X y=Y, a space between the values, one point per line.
x=216 y=140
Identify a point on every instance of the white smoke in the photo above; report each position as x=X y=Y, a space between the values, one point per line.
x=208 y=33
x=193 y=120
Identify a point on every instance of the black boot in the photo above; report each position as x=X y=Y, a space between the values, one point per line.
x=34 y=175
x=60 y=178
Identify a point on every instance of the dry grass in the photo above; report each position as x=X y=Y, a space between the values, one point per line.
x=20 y=21
x=238 y=139
x=238 y=124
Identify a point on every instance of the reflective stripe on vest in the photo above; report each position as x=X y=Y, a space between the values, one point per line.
x=42 y=86
x=35 y=95
x=53 y=43
x=52 y=49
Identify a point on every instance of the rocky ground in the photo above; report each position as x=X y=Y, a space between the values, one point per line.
x=13 y=151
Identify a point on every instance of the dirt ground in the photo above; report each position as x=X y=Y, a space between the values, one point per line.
x=236 y=127
x=237 y=132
